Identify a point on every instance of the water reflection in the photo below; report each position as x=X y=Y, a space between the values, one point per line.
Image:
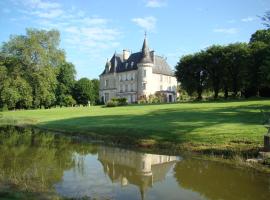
x=140 y=169
x=44 y=163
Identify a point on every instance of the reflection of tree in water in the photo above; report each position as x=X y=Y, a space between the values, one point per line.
x=34 y=160
x=218 y=181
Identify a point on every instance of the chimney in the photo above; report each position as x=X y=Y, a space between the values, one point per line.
x=126 y=54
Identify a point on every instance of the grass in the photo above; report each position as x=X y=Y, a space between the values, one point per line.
x=222 y=125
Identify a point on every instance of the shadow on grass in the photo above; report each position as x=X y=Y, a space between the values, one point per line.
x=168 y=125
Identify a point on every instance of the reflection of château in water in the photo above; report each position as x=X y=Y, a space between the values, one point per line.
x=141 y=169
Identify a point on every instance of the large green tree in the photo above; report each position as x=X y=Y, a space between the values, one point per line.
x=83 y=91
x=214 y=64
x=32 y=60
x=192 y=75
x=66 y=80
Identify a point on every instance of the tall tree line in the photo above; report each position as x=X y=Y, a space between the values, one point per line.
x=236 y=69
x=34 y=73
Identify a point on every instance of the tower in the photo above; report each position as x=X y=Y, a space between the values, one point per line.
x=145 y=70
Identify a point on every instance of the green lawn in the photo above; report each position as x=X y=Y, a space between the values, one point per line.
x=214 y=123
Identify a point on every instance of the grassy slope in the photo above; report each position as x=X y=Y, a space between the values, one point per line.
x=221 y=123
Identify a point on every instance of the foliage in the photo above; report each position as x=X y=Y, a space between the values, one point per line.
x=266 y=19
x=116 y=102
x=239 y=69
x=34 y=73
x=83 y=91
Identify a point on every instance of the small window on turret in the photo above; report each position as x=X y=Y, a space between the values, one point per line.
x=144 y=73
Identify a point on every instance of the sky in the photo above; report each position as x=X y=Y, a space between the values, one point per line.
x=92 y=30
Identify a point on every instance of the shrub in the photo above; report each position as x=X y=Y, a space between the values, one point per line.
x=111 y=104
x=116 y=102
x=122 y=101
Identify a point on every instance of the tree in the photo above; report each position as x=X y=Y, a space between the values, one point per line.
x=83 y=91
x=253 y=79
x=214 y=64
x=261 y=36
x=44 y=84
x=191 y=74
x=95 y=84
x=236 y=58
x=66 y=80
x=266 y=19
x=32 y=59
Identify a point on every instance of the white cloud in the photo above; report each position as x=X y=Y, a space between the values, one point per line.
x=87 y=34
x=156 y=3
x=248 y=19
x=48 y=14
x=41 y=4
x=147 y=23
x=226 y=30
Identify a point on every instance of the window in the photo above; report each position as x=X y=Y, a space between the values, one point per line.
x=161 y=78
x=170 y=89
x=169 y=79
x=144 y=86
x=121 y=88
x=161 y=88
x=144 y=73
x=131 y=75
x=132 y=87
x=106 y=97
x=126 y=88
x=106 y=83
x=126 y=77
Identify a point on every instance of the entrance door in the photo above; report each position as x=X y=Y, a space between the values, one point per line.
x=170 y=98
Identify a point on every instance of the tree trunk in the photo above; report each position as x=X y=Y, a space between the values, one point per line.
x=199 y=91
x=216 y=90
x=226 y=92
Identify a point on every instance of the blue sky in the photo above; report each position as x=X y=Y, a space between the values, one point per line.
x=91 y=31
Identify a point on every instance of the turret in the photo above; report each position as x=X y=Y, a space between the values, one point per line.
x=145 y=70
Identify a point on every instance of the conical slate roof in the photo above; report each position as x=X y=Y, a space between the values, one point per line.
x=146 y=58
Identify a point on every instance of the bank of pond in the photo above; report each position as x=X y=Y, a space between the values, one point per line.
x=35 y=164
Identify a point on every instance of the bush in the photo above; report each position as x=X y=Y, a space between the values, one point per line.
x=116 y=102
x=111 y=104
x=122 y=101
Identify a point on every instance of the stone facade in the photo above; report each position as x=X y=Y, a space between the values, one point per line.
x=137 y=75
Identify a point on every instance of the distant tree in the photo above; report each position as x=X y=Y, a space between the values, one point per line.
x=83 y=91
x=191 y=74
x=66 y=80
x=95 y=85
x=214 y=64
x=261 y=36
x=236 y=58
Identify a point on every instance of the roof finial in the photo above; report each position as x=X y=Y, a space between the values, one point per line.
x=145 y=34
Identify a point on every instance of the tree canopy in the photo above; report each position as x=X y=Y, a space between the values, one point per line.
x=34 y=72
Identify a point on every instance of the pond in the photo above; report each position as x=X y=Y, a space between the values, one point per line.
x=48 y=165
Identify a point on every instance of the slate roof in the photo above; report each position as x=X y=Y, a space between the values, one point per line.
x=117 y=63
